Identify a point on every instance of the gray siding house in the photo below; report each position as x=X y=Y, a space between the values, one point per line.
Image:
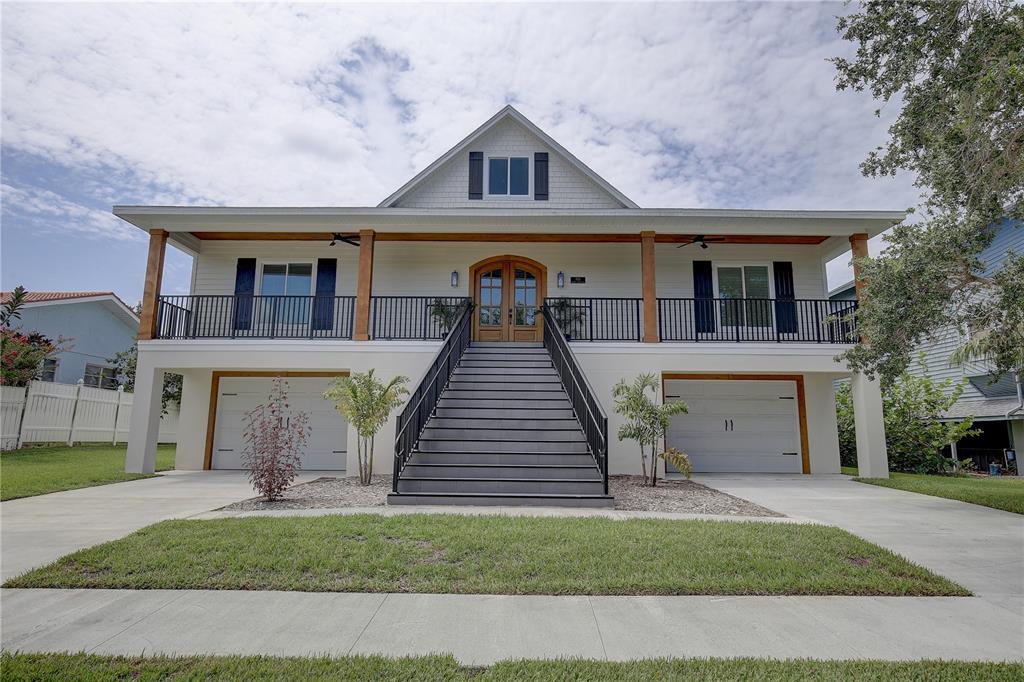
x=97 y=325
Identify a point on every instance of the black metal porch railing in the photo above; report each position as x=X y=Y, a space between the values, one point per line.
x=254 y=317
x=414 y=317
x=584 y=401
x=762 y=320
x=598 y=319
x=417 y=411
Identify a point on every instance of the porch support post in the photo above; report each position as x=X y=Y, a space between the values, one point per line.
x=364 y=288
x=859 y=247
x=145 y=421
x=649 y=289
x=151 y=288
x=869 y=426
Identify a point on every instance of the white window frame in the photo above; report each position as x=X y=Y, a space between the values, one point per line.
x=715 y=264
x=719 y=317
x=260 y=262
x=508 y=197
x=102 y=367
x=56 y=368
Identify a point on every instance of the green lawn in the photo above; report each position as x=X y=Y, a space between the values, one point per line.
x=35 y=471
x=998 y=492
x=492 y=555
x=87 y=667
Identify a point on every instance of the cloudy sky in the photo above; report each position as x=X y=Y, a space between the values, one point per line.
x=693 y=105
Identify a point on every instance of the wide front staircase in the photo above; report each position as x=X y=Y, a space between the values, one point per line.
x=503 y=431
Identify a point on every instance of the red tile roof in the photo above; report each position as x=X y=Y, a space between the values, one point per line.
x=37 y=296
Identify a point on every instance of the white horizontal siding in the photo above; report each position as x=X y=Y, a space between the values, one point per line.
x=448 y=186
x=424 y=268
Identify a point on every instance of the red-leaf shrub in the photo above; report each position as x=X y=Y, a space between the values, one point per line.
x=274 y=436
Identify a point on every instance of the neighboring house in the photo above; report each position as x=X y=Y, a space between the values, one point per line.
x=728 y=308
x=995 y=406
x=97 y=324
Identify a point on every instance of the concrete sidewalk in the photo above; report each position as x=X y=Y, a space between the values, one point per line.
x=481 y=629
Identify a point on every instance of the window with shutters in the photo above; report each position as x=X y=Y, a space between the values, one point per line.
x=508 y=176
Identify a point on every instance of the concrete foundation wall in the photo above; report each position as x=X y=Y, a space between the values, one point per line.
x=604 y=364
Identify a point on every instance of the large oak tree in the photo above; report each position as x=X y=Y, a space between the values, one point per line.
x=955 y=69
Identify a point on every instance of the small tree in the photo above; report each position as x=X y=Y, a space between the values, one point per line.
x=647 y=422
x=914 y=434
x=11 y=309
x=274 y=435
x=366 y=403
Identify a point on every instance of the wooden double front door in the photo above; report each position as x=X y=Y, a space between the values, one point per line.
x=508 y=293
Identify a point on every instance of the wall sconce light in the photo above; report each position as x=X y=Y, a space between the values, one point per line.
x=455 y=279
x=561 y=279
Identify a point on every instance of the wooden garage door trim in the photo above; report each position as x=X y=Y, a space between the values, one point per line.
x=211 y=418
x=798 y=379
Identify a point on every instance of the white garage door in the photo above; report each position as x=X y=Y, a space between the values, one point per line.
x=737 y=426
x=328 y=437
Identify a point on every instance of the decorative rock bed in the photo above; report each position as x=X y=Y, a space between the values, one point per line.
x=679 y=496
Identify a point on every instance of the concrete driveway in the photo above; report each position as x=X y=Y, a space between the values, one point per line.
x=37 y=530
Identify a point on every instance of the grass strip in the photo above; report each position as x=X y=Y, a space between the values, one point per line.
x=37 y=471
x=493 y=555
x=102 y=668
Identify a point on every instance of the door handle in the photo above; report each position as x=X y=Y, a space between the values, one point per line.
x=732 y=427
x=726 y=424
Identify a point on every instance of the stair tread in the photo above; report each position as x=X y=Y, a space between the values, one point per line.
x=527 y=495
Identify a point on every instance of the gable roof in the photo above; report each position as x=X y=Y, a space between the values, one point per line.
x=35 y=299
x=507 y=112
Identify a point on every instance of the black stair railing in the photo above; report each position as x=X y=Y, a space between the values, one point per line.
x=584 y=402
x=423 y=401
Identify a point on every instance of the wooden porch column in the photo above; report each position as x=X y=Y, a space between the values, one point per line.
x=151 y=288
x=650 y=291
x=859 y=246
x=364 y=288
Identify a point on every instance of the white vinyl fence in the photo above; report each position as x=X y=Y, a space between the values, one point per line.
x=46 y=412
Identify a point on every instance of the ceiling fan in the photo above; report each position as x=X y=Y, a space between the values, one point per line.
x=702 y=240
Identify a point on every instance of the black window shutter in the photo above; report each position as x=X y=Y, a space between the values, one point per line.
x=703 y=288
x=785 y=312
x=245 y=286
x=540 y=176
x=323 y=303
x=476 y=175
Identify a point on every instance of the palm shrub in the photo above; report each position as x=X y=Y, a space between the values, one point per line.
x=366 y=402
x=446 y=314
x=274 y=435
x=647 y=422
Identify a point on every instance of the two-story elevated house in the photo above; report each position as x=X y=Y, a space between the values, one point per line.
x=515 y=287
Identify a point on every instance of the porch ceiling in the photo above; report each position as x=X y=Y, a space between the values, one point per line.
x=747 y=226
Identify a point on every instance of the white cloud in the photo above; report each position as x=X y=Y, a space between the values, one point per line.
x=696 y=104
x=50 y=212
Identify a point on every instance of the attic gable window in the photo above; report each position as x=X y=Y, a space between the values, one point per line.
x=508 y=176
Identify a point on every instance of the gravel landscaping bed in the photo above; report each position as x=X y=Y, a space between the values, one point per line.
x=630 y=494
x=682 y=496
x=324 y=493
